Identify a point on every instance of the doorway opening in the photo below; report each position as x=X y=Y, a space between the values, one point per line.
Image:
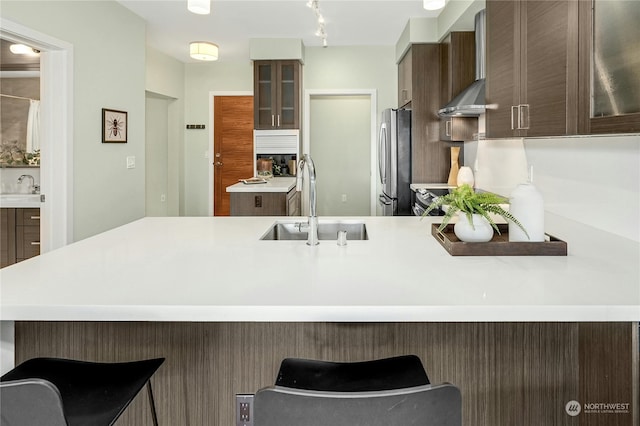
x=56 y=132
x=339 y=134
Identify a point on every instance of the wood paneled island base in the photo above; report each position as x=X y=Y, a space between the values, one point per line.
x=510 y=374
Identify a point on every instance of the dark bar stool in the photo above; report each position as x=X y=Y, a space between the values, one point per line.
x=383 y=392
x=380 y=374
x=61 y=392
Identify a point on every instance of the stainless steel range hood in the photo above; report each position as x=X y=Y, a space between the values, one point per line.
x=471 y=101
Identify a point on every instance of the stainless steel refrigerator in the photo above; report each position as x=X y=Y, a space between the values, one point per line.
x=394 y=162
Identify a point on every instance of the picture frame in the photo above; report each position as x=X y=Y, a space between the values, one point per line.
x=114 y=126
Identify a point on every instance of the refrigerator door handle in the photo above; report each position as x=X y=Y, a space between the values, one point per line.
x=382 y=153
x=384 y=201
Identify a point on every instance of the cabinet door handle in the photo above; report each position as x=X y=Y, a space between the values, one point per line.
x=273 y=118
x=278 y=120
x=35 y=217
x=447 y=127
x=514 y=108
x=523 y=116
x=35 y=243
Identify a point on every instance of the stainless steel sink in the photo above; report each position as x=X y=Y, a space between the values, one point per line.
x=326 y=231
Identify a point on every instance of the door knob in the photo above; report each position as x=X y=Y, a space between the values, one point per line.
x=217 y=163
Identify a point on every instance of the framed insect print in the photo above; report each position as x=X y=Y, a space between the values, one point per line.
x=114 y=126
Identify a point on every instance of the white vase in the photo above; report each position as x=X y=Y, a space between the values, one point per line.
x=526 y=205
x=480 y=232
x=465 y=175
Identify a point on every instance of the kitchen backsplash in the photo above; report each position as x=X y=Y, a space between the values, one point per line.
x=594 y=180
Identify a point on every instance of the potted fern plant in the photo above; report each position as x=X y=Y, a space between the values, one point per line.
x=474 y=221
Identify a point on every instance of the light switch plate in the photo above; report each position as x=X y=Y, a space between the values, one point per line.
x=244 y=409
x=131 y=162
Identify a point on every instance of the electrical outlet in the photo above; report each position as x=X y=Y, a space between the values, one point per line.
x=163 y=198
x=244 y=409
x=344 y=198
x=258 y=201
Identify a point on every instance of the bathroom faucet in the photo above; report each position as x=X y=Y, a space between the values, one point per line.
x=312 y=240
x=33 y=187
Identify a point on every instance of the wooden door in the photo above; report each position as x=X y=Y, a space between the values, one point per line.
x=232 y=146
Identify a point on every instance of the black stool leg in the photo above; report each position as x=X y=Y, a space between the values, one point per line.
x=152 y=403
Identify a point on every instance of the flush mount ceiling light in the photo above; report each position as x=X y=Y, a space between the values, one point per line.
x=203 y=51
x=433 y=4
x=22 y=49
x=200 y=7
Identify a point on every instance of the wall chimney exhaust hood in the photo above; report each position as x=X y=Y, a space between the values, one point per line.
x=471 y=101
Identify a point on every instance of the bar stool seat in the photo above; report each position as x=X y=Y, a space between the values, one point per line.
x=84 y=393
x=375 y=375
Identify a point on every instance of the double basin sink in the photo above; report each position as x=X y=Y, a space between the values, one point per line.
x=327 y=230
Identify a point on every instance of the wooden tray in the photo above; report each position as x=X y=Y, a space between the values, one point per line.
x=499 y=244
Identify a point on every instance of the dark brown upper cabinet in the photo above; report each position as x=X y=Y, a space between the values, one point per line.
x=405 y=79
x=276 y=88
x=458 y=61
x=532 y=68
x=430 y=158
x=609 y=96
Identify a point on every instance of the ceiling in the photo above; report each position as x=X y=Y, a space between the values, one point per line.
x=170 y=26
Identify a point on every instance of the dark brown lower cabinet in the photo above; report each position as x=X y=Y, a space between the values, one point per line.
x=509 y=374
x=20 y=234
x=265 y=203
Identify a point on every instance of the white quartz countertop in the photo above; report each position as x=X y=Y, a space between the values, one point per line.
x=217 y=269
x=20 y=201
x=276 y=184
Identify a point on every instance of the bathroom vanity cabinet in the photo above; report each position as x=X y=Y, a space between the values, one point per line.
x=20 y=234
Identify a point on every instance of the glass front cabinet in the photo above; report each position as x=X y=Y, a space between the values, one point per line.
x=277 y=94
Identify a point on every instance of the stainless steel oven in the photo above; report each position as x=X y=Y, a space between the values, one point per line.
x=424 y=197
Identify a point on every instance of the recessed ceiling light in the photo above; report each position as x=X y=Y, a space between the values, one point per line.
x=203 y=51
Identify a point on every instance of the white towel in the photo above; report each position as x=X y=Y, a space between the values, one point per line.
x=33 y=126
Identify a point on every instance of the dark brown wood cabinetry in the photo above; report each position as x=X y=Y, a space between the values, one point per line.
x=277 y=94
x=532 y=68
x=430 y=158
x=458 y=61
x=404 y=79
x=20 y=234
x=265 y=203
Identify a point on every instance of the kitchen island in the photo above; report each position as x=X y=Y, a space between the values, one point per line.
x=276 y=197
x=226 y=307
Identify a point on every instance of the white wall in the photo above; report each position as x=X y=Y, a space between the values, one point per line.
x=109 y=72
x=594 y=180
x=165 y=79
x=200 y=80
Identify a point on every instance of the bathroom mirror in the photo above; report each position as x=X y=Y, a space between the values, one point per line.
x=19 y=106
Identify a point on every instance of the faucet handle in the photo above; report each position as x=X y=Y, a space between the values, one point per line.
x=299 y=183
